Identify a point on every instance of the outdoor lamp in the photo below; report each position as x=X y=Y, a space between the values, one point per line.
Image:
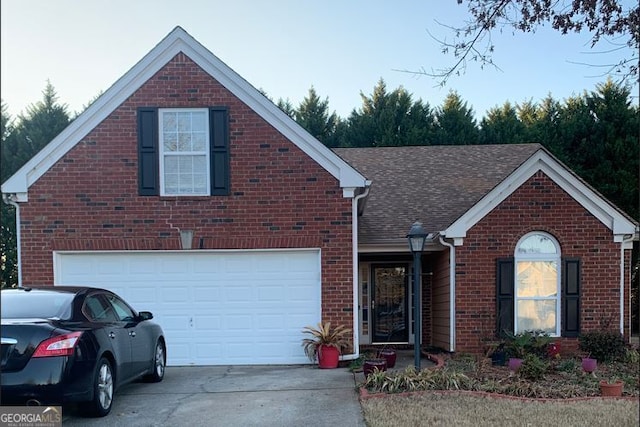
x=417 y=237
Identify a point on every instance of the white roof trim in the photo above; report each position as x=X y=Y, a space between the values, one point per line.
x=178 y=41
x=606 y=213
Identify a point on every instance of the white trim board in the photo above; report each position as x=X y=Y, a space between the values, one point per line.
x=175 y=42
x=575 y=187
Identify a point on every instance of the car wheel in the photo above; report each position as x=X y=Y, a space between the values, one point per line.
x=102 y=390
x=159 y=363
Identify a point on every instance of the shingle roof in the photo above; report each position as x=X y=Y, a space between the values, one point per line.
x=434 y=184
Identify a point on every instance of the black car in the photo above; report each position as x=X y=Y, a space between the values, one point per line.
x=75 y=344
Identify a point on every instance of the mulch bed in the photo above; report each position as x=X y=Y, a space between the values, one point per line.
x=565 y=379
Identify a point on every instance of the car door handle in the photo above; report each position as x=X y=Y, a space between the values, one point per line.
x=132 y=334
x=112 y=335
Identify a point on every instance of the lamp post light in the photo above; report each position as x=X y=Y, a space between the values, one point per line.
x=417 y=237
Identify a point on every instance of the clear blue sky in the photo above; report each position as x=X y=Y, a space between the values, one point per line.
x=284 y=47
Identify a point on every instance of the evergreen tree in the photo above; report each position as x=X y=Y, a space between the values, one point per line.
x=421 y=126
x=545 y=128
x=455 y=122
x=390 y=119
x=609 y=154
x=287 y=107
x=42 y=122
x=8 y=251
x=313 y=115
x=502 y=126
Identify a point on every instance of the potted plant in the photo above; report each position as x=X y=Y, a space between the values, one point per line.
x=372 y=364
x=389 y=355
x=497 y=353
x=325 y=344
x=589 y=364
x=516 y=347
x=612 y=387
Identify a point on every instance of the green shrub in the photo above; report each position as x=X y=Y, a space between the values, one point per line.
x=528 y=342
x=533 y=368
x=411 y=380
x=567 y=365
x=632 y=356
x=605 y=346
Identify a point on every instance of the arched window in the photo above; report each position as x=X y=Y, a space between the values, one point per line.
x=537 y=284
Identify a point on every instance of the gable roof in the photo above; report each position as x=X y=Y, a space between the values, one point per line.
x=175 y=42
x=450 y=188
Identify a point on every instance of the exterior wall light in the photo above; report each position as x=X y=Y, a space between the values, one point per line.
x=186 y=239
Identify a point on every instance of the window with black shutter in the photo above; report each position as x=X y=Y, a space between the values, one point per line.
x=537 y=290
x=183 y=151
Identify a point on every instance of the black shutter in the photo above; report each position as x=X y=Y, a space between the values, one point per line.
x=219 y=146
x=148 y=178
x=504 y=295
x=570 y=297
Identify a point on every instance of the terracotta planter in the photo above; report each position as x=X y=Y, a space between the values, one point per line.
x=514 y=364
x=390 y=356
x=370 y=365
x=328 y=357
x=589 y=364
x=611 y=389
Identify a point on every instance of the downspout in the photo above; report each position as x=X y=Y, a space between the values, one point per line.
x=354 y=243
x=622 y=248
x=452 y=290
x=8 y=199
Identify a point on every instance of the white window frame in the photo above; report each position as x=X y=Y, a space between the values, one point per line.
x=557 y=258
x=162 y=154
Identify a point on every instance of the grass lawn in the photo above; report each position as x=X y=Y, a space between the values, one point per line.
x=560 y=381
x=456 y=409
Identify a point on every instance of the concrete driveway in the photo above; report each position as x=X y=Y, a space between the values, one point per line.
x=292 y=395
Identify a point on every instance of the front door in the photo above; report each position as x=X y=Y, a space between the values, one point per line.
x=389 y=303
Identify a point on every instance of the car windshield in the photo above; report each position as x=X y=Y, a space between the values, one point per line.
x=35 y=304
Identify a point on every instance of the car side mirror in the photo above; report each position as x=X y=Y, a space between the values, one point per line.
x=145 y=315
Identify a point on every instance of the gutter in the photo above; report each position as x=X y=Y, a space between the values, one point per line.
x=452 y=295
x=624 y=242
x=9 y=200
x=354 y=243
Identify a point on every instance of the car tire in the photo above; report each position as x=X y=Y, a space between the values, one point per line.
x=159 y=363
x=103 y=388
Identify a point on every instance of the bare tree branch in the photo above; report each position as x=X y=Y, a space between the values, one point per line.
x=603 y=19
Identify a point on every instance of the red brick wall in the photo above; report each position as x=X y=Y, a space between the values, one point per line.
x=280 y=198
x=539 y=204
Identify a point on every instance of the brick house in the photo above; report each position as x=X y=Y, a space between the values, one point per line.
x=189 y=193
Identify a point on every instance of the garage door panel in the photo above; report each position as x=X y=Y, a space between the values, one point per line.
x=175 y=294
x=173 y=266
x=238 y=293
x=143 y=295
x=208 y=323
x=206 y=294
x=209 y=352
x=174 y=323
x=216 y=308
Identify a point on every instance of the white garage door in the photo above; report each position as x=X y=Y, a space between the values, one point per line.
x=216 y=308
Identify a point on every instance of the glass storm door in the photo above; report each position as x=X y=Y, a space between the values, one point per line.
x=389 y=303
